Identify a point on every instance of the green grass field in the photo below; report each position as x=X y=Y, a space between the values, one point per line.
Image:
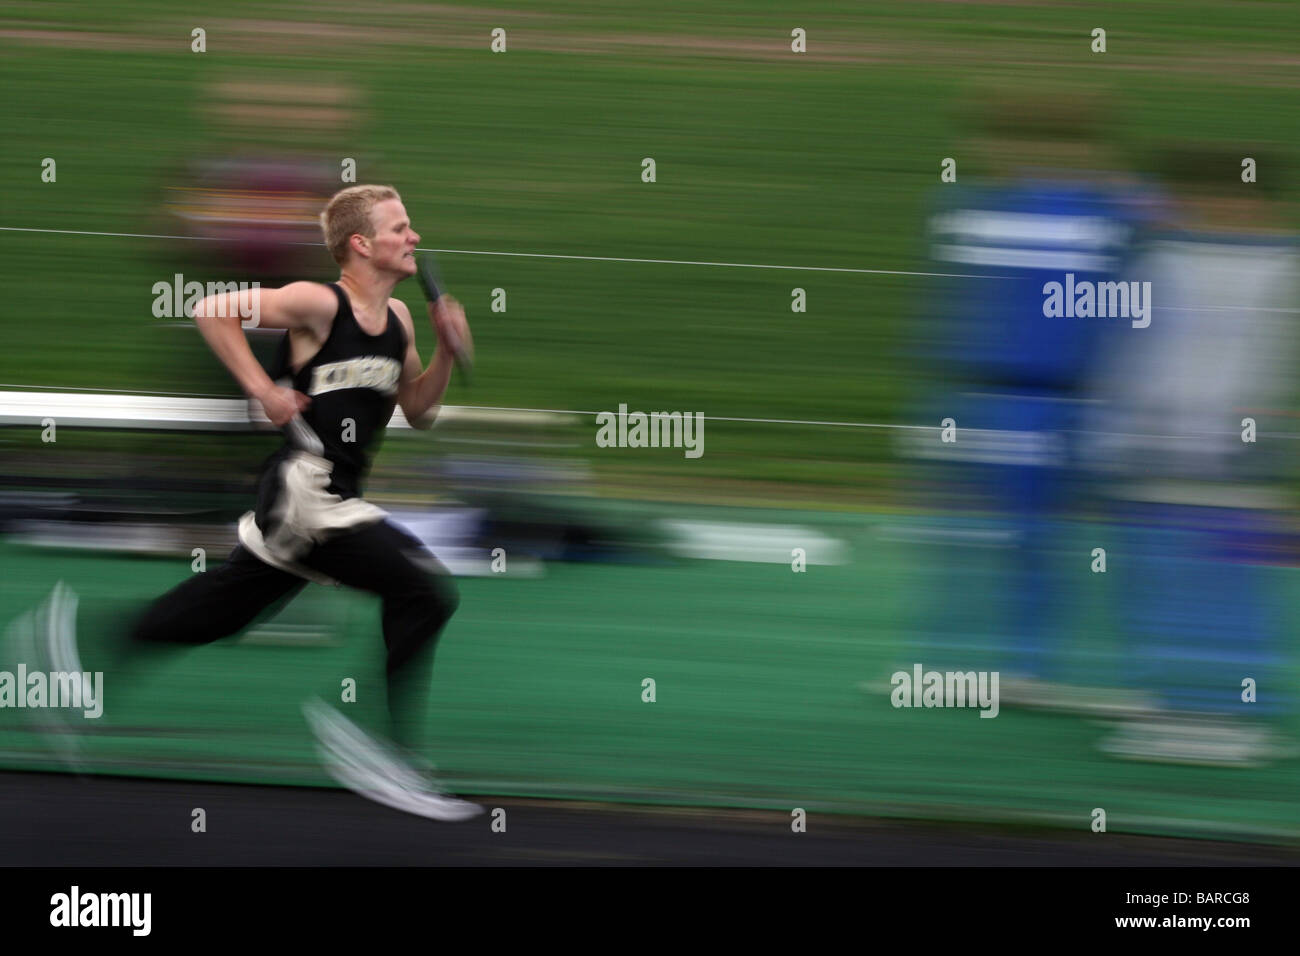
x=824 y=159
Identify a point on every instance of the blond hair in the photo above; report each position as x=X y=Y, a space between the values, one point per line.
x=348 y=213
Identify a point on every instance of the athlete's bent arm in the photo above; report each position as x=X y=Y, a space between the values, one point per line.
x=420 y=390
x=299 y=305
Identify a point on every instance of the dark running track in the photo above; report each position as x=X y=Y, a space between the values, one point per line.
x=63 y=820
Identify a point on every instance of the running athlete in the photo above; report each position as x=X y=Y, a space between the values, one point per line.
x=348 y=356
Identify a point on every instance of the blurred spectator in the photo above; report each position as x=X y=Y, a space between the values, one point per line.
x=1201 y=505
x=1011 y=379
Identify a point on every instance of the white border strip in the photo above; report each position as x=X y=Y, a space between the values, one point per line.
x=103 y=410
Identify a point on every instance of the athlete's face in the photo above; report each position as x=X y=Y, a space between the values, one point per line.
x=393 y=247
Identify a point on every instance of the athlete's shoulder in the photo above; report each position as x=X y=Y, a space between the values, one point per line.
x=298 y=305
x=311 y=292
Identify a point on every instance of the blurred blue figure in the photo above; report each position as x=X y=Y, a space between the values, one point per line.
x=1202 y=613
x=1012 y=380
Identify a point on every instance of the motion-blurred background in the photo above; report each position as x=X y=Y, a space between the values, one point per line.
x=775 y=170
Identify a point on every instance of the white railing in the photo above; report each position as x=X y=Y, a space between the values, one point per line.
x=168 y=413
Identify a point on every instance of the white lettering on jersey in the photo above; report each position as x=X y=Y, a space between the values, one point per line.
x=371 y=371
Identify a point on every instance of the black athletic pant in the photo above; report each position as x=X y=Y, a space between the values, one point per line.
x=379 y=558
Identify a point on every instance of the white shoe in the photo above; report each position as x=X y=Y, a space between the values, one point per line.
x=372 y=769
x=46 y=638
x=61 y=630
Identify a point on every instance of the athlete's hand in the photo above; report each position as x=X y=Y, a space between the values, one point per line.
x=451 y=326
x=281 y=404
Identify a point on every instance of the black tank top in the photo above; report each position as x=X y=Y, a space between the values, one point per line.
x=352 y=383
